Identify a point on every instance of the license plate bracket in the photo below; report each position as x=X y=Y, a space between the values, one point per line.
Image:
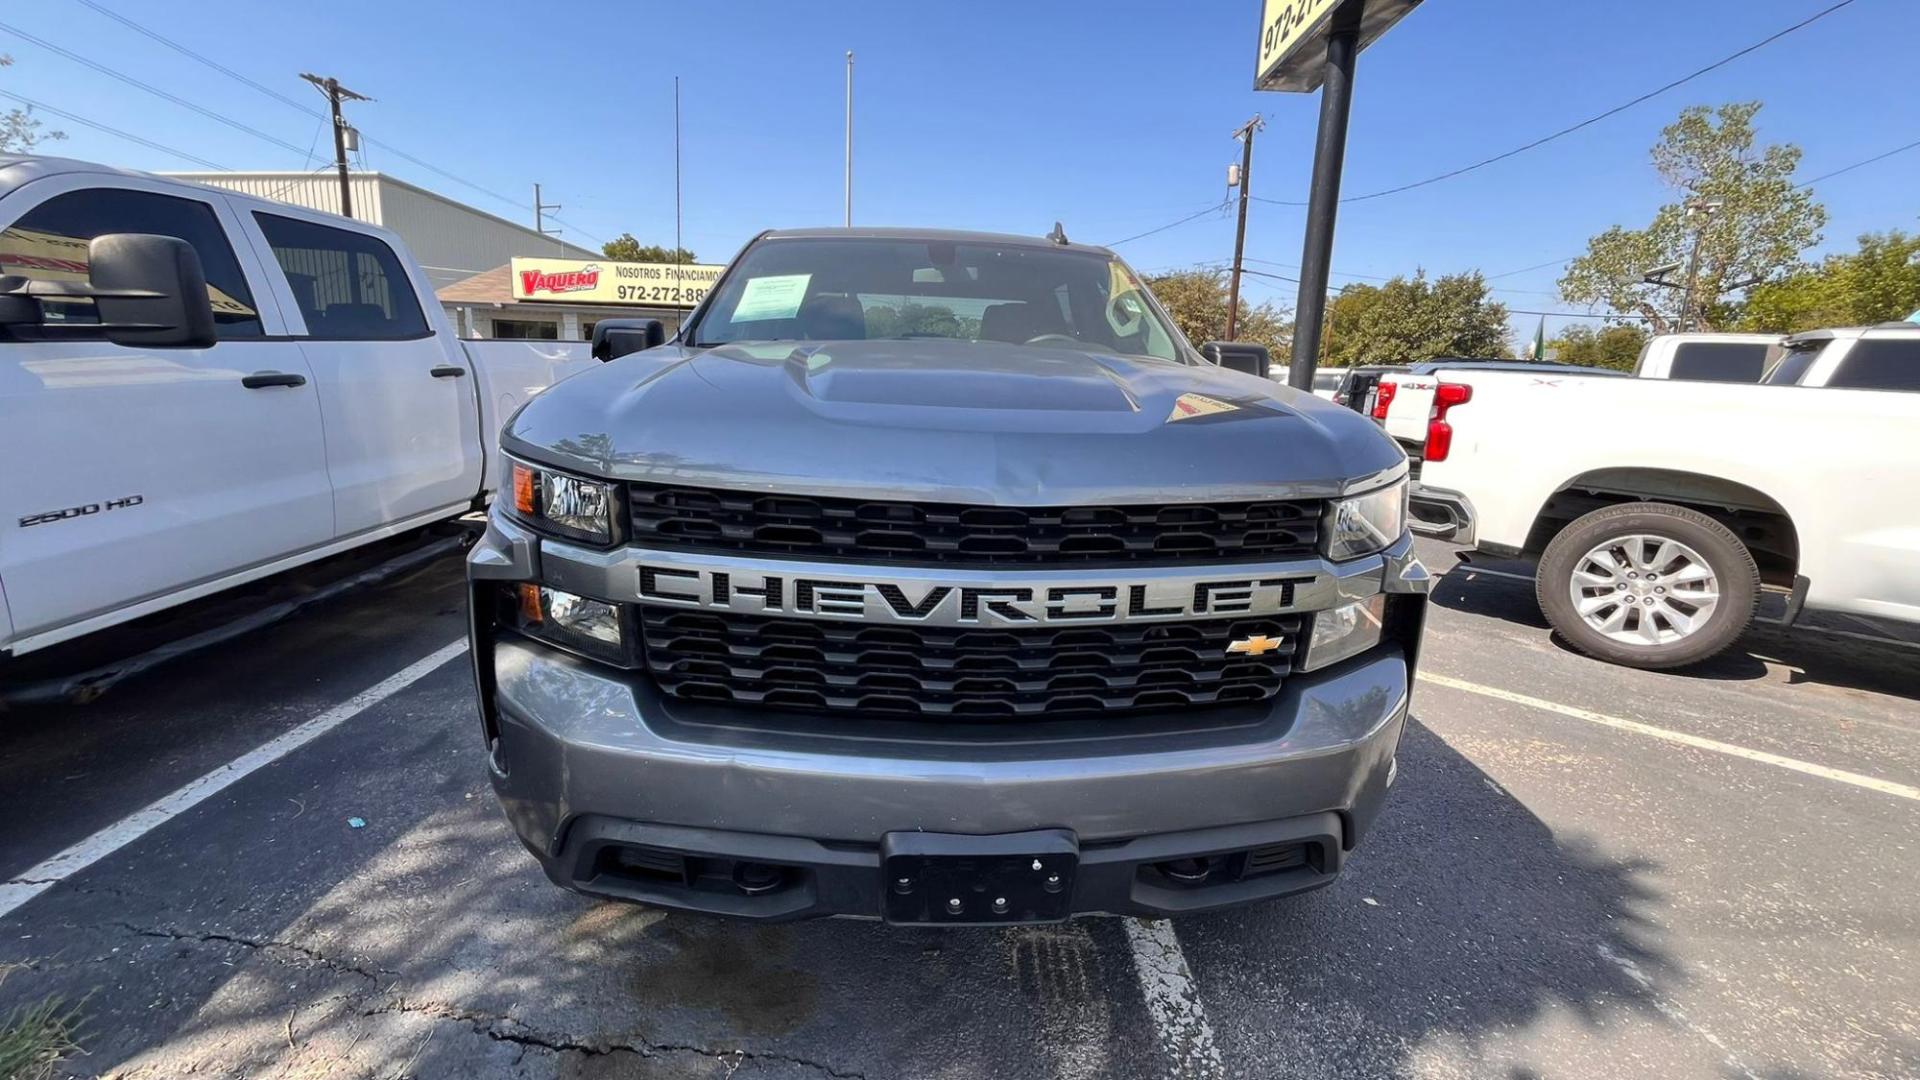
x=951 y=879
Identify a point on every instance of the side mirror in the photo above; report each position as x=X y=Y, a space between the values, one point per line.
x=1239 y=356
x=615 y=338
x=149 y=291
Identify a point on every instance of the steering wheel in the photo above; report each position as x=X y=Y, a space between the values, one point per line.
x=1062 y=339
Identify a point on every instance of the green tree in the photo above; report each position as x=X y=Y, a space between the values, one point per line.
x=1411 y=319
x=626 y=249
x=1615 y=345
x=1751 y=220
x=1197 y=300
x=919 y=320
x=1878 y=283
x=19 y=131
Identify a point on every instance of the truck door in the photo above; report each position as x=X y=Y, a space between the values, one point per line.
x=135 y=473
x=402 y=421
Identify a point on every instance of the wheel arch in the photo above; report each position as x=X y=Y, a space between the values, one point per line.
x=1760 y=521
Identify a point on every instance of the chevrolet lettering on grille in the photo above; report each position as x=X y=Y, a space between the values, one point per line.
x=1032 y=600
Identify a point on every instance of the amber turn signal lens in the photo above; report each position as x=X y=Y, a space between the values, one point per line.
x=530 y=603
x=523 y=483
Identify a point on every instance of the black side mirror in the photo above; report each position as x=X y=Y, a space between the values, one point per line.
x=615 y=338
x=149 y=291
x=1239 y=356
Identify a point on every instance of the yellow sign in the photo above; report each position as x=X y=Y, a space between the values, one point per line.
x=1293 y=37
x=604 y=281
x=46 y=256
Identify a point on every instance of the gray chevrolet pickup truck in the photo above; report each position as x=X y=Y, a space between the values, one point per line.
x=935 y=577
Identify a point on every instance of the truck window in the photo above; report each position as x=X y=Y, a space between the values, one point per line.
x=50 y=243
x=1880 y=364
x=1793 y=366
x=1719 y=361
x=350 y=286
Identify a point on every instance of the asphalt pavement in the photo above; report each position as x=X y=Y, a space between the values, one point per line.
x=1583 y=871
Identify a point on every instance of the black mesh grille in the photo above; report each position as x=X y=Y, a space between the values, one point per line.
x=961 y=673
x=872 y=532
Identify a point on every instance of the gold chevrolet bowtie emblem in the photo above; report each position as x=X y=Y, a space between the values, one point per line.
x=1255 y=645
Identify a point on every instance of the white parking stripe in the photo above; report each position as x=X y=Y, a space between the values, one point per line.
x=1870 y=783
x=52 y=871
x=1178 y=1017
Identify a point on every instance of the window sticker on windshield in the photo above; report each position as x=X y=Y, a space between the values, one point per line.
x=776 y=297
x=1190 y=406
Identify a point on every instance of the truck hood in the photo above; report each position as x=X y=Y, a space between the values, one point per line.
x=948 y=421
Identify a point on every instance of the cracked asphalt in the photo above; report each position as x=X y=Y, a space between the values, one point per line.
x=1545 y=896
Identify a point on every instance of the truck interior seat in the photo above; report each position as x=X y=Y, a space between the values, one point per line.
x=833 y=318
x=1020 y=322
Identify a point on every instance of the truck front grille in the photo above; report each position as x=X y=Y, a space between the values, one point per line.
x=876 y=532
x=820 y=664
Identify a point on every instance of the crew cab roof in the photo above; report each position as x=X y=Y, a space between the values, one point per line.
x=956 y=236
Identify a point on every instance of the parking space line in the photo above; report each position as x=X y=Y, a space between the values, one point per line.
x=1870 y=783
x=1167 y=983
x=50 y=872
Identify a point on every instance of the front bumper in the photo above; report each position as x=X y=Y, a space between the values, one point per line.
x=586 y=760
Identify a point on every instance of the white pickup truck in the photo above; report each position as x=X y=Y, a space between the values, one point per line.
x=199 y=389
x=1656 y=510
x=1403 y=399
x=1708 y=357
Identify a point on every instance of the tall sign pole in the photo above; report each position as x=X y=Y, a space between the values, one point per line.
x=1308 y=45
x=1323 y=201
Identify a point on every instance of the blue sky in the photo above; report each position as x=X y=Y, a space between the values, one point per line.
x=1113 y=117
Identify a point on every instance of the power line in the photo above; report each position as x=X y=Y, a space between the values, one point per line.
x=1221 y=205
x=1591 y=120
x=291 y=103
x=98 y=126
x=1857 y=164
x=149 y=88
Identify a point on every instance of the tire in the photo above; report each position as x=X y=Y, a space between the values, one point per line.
x=1621 y=552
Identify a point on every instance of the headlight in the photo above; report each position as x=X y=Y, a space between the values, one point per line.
x=576 y=623
x=1367 y=523
x=565 y=505
x=1347 y=630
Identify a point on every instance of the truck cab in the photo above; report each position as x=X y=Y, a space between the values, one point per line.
x=304 y=395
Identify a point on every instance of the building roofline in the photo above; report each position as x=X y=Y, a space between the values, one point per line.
x=381 y=177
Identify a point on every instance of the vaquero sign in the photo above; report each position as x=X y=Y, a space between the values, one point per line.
x=604 y=281
x=1293 y=38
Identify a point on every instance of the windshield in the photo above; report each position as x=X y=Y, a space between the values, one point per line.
x=874 y=289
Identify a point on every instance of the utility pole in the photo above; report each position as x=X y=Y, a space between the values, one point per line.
x=1704 y=209
x=336 y=93
x=1245 y=135
x=849 y=139
x=540 y=218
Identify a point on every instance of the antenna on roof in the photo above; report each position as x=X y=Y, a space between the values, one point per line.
x=1058 y=235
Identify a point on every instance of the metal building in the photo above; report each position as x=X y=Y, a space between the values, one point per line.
x=452 y=240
